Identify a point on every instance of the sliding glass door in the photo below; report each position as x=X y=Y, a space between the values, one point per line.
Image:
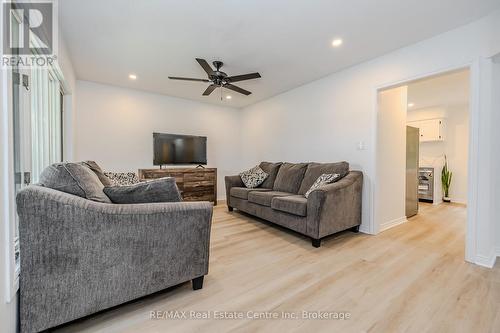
x=46 y=120
x=21 y=128
x=36 y=126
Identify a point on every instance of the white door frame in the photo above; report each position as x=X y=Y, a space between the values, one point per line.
x=472 y=177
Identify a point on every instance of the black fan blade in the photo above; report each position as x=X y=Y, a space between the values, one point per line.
x=209 y=90
x=187 y=79
x=243 y=77
x=237 y=89
x=203 y=63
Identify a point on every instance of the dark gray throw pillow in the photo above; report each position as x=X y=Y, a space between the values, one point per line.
x=74 y=178
x=290 y=177
x=105 y=180
x=157 y=190
x=272 y=170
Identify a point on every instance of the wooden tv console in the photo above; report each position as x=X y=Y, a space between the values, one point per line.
x=195 y=184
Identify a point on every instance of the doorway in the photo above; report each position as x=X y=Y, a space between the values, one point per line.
x=438 y=107
x=422 y=128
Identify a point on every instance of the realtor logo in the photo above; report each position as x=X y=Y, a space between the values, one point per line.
x=28 y=33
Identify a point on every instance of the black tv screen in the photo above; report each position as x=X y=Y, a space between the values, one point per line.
x=179 y=149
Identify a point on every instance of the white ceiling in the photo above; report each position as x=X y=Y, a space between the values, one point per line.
x=440 y=91
x=287 y=41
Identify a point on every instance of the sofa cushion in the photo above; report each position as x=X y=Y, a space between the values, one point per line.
x=156 y=190
x=264 y=197
x=242 y=192
x=293 y=204
x=105 y=180
x=74 y=178
x=253 y=177
x=272 y=170
x=315 y=170
x=290 y=177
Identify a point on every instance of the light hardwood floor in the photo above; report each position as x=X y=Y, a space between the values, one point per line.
x=411 y=278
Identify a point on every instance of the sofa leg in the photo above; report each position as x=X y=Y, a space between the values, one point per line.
x=316 y=242
x=355 y=229
x=197 y=283
x=229 y=208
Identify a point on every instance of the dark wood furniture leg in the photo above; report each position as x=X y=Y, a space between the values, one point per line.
x=316 y=242
x=197 y=283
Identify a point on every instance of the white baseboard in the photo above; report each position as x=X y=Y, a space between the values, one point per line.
x=365 y=230
x=391 y=224
x=486 y=261
x=459 y=201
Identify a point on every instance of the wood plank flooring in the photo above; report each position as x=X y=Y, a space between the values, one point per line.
x=411 y=278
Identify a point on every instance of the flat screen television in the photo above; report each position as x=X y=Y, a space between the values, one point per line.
x=179 y=149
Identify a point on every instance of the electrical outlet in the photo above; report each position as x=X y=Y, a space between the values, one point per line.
x=361 y=145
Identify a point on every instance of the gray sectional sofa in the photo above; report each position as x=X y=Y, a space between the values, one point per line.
x=280 y=199
x=80 y=256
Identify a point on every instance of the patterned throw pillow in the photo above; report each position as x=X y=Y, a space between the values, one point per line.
x=324 y=179
x=253 y=177
x=122 y=178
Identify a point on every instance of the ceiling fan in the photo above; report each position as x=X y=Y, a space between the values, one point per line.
x=219 y=79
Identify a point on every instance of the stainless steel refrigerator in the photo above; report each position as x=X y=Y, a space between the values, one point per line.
x=412 y=157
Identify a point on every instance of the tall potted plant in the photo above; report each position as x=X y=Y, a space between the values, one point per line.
x=446 y=176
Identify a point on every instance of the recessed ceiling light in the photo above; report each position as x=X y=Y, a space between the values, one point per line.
x=229 y=97
x=410 y=105
x=337 y=42
x=132 y=76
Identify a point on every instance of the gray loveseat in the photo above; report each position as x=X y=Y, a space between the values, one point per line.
x=79 y=256
x=280 y=199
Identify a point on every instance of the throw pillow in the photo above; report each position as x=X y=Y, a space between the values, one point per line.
x=253 y=177
x=122 y=178
x=324 y=179
x=314 y=170
x=272 y=170
x=156 y=190
x=74 y=178
x=289 y=177
x=99 y=173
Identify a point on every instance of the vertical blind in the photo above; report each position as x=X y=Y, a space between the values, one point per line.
x=45 y=120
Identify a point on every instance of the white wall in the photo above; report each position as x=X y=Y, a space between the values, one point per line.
x=115 y=128
x=390 y=200
x=69 y=98
x=8 y=308
x=324 y=120
x=455 y=146
x=495 y=150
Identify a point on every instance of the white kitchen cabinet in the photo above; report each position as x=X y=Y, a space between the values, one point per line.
x=430 y=129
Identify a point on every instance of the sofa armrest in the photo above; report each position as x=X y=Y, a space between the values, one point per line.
x=102 y=255
x=232 y=181
x=335 y=207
